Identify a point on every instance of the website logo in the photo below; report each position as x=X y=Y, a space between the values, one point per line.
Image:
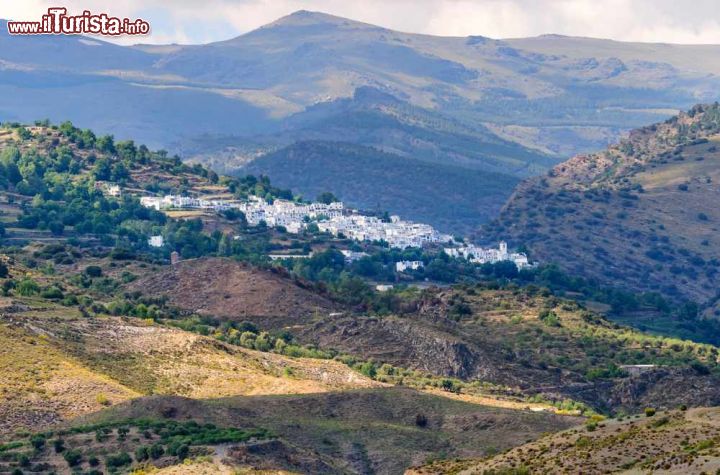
x=58 y=22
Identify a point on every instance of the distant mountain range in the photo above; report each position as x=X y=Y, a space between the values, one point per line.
x=501 y=110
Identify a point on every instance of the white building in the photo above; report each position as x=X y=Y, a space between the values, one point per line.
x=383 y=287
x=113 y=190
x=481 y=255
x=402 y=266
x=156 y=241
x=333 y=218
x=352 y=256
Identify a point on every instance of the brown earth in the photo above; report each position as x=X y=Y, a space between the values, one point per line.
x=235 y=290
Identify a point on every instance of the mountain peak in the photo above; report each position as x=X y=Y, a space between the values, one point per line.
x=307 y=17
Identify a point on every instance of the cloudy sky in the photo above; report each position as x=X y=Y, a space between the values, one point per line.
x=193 y=21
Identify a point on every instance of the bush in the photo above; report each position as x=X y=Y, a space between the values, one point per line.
x=118 y=460
x=649 y=411
x=72 y=457
x=37 y=441
x=142 y=453
x=59 y=445
x=182 y=452
x=52 y=293
x=421 y=420
x=28 y=287
x=156 y=451
x=93 y=271
x=549 y=318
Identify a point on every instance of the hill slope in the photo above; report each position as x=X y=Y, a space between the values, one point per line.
x=668 y=442
x=360 y=431
x=61 y=365
x=479 y=335
x=450 y=197
x=639 y=215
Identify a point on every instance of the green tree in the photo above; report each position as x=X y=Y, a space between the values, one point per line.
x=103 y=169
x=327 y=198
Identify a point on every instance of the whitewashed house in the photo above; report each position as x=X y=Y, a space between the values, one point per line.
x=402 y=266
x=156 y=241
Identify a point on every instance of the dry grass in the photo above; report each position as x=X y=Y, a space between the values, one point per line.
x=41 y=385
x=669 y=442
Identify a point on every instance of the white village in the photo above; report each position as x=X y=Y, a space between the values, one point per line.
x=340 y=221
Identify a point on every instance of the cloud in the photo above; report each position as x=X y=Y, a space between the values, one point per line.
x=190 y=21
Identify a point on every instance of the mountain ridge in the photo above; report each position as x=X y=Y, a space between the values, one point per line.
x=231 y=102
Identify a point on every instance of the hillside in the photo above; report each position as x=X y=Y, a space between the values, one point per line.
x=92 y=316
x=516 y=342
x=225 y=288
x=514 y=107
x=638 y=215
x=383 y=181
x=676 y=441
x=64 y=365
x=120 y=358
x=355 y=431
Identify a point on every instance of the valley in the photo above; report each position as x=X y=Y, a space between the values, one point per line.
x=184 y=339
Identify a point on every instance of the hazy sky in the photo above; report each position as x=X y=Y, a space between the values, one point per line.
x=199 y=21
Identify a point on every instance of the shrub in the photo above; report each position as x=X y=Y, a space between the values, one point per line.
x=72 y=457
x=59 y=445
x=28 y=287
x=582 y=442
x=102 y=399
x=52 y=293
x=122 y=432
x=156 y=451
x=182 y=452
x=118 y=460
x=421 y=420
x=649 y=411
x=142 y=453
x=37 y=441
x=549 y=318
x=93 y=271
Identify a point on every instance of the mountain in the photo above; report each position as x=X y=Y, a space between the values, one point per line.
x=514 y=107
x=639 y=215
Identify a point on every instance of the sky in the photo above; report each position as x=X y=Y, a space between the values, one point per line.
x=203 y=21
